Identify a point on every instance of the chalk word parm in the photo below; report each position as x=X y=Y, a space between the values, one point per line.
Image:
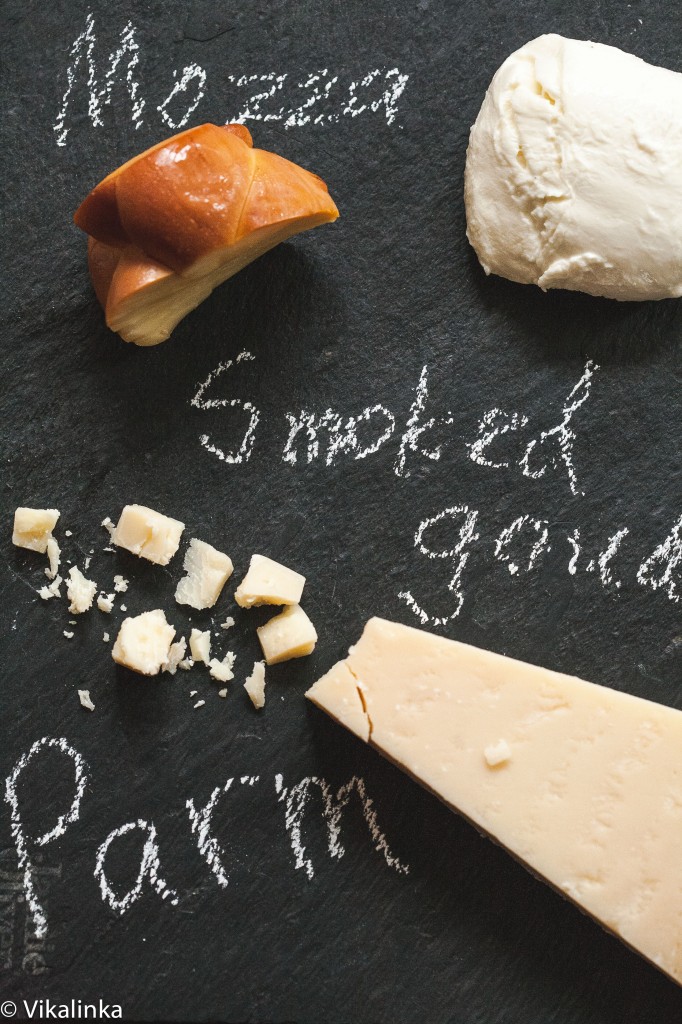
x=320 y=97
x=520 y=547
x=150 y=877
x=325 y=437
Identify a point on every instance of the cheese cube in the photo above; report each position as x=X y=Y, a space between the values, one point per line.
x=80 y=592
x=255 y=685
x=143 y=643
x=269 y=582
x=200 y=645
x=33 y=528
x=208 y=570
x=290 y=634
x=148 y=534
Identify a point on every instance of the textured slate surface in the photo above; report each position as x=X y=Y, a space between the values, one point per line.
x=344 y=318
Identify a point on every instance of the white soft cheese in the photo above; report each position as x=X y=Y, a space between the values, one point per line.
x=33 y=528
x=208 y=570
x=588 y=792
x=80 y=591
x=144 y=642
x=148 y=534
x=574 y=172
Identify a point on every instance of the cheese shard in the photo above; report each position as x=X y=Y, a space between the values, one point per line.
x=33 y=528
x=144 y=643
x=590 y=796
x=200 y=645
x=80 y=591
x=269 y=582
x=255 y=685
x=148 y=534
x=290 y=634
x=208 y=570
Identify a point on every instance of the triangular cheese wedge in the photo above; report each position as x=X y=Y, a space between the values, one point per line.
x=580 y=782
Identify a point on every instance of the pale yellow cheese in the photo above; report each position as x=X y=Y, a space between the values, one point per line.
x=208 y=570
x=33 y=528
x=80 y=591
x=269 y=582
x=255 y=685
x=144 y=643
x=200 y=645
x=290 y=634
x=581 y=782
x=148 y=534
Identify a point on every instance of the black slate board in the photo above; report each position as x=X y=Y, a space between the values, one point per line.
x=344 y=318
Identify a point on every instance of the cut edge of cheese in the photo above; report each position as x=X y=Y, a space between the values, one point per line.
x=621 y=730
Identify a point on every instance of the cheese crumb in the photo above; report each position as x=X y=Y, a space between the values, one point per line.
x=269 y=582
x=105 y=602
x=51 y=590
x=53 y=554
x=143 y=643
x=290 y=634
x=68 y=634
x=33 y=528
x=222 y=693
x=199 y=704
x=176 y=654
x=185 y=664
x=221 y=671
x=200 y=645
x=105 y=637
x=84 y=697
x=120 y=584
x=228 y=623
x=68 y=533
x=148 y=534
x=207 y=571
x=497 y=753
x=255 y=685
x=108 y=526
x=80 y=592
x=124 y=608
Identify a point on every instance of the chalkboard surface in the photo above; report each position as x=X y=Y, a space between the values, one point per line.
x=499 y=465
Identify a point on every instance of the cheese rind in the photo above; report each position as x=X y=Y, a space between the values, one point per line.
x=208 y=570
x=590 y=796
x=269 y=582
x=143 y=643
x=33 y=528
x=290 y=634
x=148 y=534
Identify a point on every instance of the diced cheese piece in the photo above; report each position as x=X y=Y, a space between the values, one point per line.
x=497 y=753
x=221 y=671
x=268 y=582
x=148 y=534
x=33 y=528
x=51 y=589
x=591 y=798
x=144 y=642
x=105 y=602
x=255 y=684
x=53 y=554
x=176 y=653
x=208 y=570
x=120 y=584
x=80 y=592
x=84 y=697
x=290 y=634
x=200 y=645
